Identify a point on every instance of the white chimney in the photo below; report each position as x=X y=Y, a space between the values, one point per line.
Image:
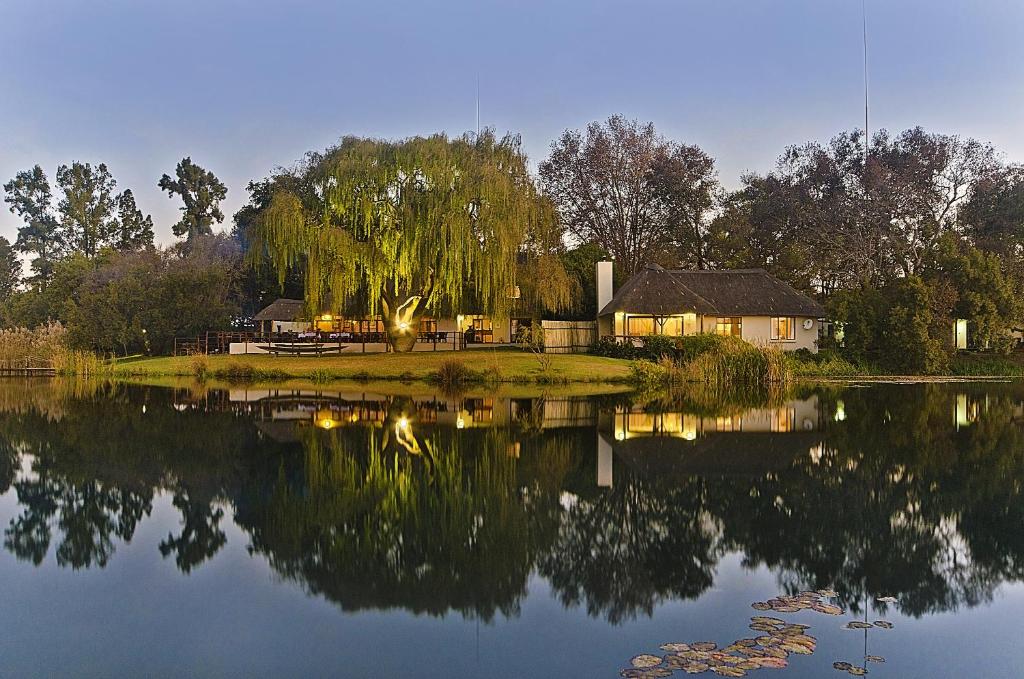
x=604 y=285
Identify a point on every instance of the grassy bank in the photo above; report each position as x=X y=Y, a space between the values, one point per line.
x=483 y=365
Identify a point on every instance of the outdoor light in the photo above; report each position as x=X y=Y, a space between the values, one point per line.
x=620 y=435
x=325 y=423
x=326 y=317
x=403 y=326
x=460 y=423
x=403 y=423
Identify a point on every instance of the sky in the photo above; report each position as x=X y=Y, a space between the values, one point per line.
x=244 y=86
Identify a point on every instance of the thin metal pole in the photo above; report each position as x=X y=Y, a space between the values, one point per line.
x=867 y=134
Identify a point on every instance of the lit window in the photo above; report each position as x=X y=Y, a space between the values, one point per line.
x=730 y=325
x=783 y=328
x=640 y=326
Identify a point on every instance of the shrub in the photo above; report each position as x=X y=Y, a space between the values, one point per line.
x=199 y=366
x=452 y=373
x=608 y=347
x=320 y=375
x=655 y=347
x=237 y=371
x=645 y=373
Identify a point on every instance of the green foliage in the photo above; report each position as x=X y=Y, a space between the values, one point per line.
x=903 y=328
x=644 y=373
x=730 y=362
x=10 y=270
x=651 y=348
x=133 y=230
x=825 y=363
x=201 y=193
x=87 y=209
x=134 y=302
x=421 y=224
x=986 y=296
x=30 y=198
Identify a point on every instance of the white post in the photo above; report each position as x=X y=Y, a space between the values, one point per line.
x=604 y=285
x=604 y=462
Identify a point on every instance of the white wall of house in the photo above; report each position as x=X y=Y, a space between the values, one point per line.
x=758 y=330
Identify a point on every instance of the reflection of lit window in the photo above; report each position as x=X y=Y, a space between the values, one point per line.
x=730 y=423
x=784 y=419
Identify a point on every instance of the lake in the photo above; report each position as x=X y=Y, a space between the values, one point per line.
x=345 y=532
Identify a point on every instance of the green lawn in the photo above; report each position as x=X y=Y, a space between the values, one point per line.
x=497 y=365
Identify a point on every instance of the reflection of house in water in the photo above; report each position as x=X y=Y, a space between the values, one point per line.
x=278 y=412
x=750 y=442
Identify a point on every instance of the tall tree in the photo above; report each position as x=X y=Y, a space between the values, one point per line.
x=201 y=192
x=993 y=218
x=630 y=191
x=87 y=209
x=686 y=181
x=10 y=269
x=30 y=198
x=133 y=230
x=416 y=225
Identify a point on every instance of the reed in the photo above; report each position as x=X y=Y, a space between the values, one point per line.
x=45 y=348
x=732 y=362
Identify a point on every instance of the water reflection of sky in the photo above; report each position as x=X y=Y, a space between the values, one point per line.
x=234 y=614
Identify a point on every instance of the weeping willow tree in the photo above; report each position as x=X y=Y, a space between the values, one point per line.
x=421 y=225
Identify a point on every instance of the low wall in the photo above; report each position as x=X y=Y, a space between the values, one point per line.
x=237 y=348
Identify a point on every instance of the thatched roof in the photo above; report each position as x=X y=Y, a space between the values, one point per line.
x=282 y=310
x=740 y=292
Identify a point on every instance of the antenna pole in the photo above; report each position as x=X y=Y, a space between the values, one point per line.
x=867 y=134
x=477 y=105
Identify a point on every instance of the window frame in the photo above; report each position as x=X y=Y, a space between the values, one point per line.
x=776 y=332
x=735 y=323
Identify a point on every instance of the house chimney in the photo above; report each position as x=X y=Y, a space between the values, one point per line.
x=604 y=285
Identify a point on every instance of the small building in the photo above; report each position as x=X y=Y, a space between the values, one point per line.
x=746 y=303
x=282 y=316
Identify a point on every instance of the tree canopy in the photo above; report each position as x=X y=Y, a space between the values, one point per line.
x=201 y=192
x=427 y=223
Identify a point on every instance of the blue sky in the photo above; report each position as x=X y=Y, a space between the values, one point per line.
x=246 y=85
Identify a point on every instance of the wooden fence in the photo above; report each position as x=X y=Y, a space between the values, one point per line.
x=568 y=337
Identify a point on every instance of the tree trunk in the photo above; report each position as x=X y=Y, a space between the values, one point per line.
x=402 y=321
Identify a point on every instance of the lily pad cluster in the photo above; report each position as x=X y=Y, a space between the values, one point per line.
x=778 y=639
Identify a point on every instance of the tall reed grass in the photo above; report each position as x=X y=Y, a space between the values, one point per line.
x=45 y=347
x=733 y=362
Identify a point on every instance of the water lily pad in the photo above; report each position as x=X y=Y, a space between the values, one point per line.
x=830 y=593
x=774 y=652
x=696 y=668
x=728 y=671
x=857 y=671
x=886 y=599
x=857 y=624
x=761 y=606
x=827 y=609
x=704 y=646
x=884 y=624
x=798 y=649
x=774 y=663
x=765 y=620
x=841 y=665
x=675 y=648
x=645 y=661
x=874 y=658
x=786 y=609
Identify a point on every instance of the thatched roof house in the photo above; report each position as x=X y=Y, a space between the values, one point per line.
x=748 y=303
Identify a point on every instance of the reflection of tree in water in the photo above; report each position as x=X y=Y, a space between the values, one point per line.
x=200 y=537
x=97 y=460
x=898 y=500
x=368 y=525
x=622 y=551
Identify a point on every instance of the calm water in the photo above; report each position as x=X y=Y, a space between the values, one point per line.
x=246 y=533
